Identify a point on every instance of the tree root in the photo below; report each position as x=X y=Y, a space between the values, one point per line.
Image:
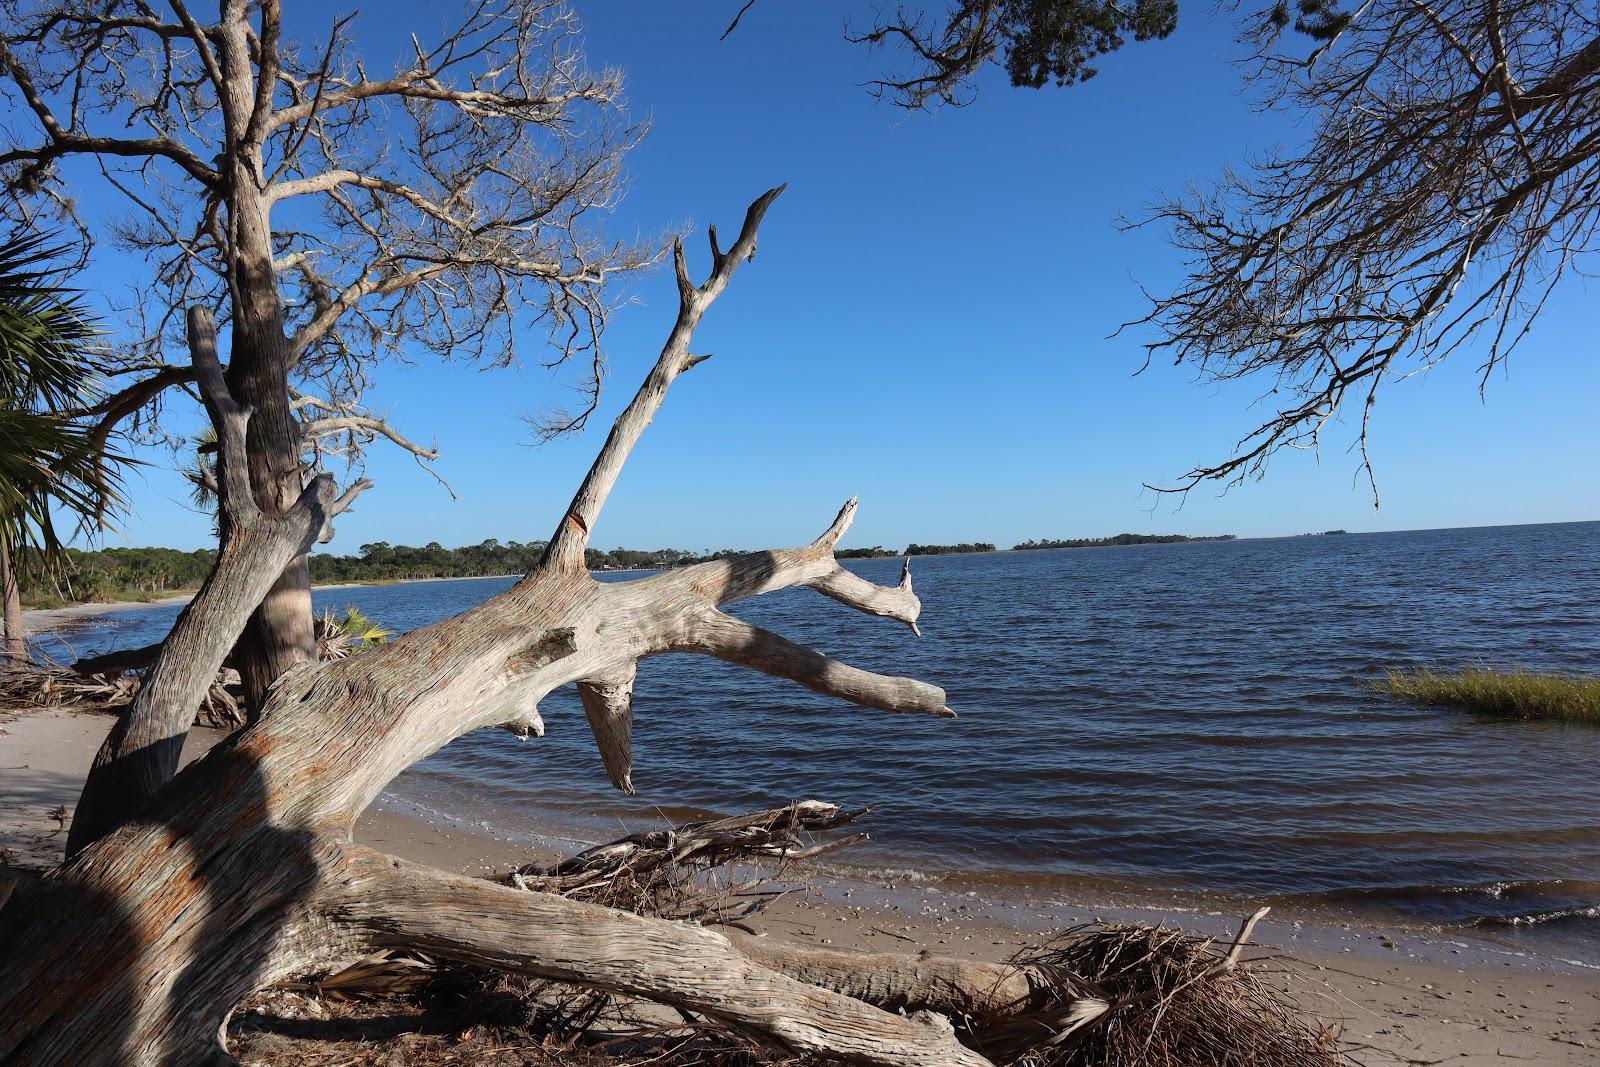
x=1098 y=995
x=470 y=920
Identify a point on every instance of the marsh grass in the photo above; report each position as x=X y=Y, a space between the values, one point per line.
x=1509 y=694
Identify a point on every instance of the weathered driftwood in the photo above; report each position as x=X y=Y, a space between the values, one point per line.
x=668 y=872
x=1098 y=994
x=241 y=871
x=118 y=661
x=45 y=687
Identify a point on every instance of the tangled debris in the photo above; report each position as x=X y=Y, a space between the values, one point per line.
x=109 y=682
x=56 y=687
x=112 y=691
x=714 y=872
x=1109 y=995
x=1170 y=1000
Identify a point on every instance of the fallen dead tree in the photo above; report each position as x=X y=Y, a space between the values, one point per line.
x=241 y=871
x=118 y=661
x=183 y=895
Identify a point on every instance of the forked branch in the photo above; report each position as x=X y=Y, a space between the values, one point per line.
x=849 y=588
x=727 y=638
x=566 y=547
x=228 y=416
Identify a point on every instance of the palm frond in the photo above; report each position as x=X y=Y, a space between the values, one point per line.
x=338 y=638
x=48 y=356
x=49 y=365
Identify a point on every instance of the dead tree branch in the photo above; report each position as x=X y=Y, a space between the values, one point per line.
x=565 y=550
x=429 y=210
x=1449 y=184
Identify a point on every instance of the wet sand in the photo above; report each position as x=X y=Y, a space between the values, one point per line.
x=1401 y=998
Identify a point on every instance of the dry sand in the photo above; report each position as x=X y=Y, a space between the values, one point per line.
x=44 y=620
x=1402 y=998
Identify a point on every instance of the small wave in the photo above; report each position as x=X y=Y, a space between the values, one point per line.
x=1539 y=918
x=1502 y=905
x=902 y=875
x=1496 y=890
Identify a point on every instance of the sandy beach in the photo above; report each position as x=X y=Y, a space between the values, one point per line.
x=45 y=620
x=1400 y=998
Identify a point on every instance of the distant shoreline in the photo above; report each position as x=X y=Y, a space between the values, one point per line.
x=43 y=620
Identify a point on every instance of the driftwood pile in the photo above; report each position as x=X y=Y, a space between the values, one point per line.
x=1107 y=995
x=55 y=687
x=111 y=691
x=714 y=872
x=109 y=682
x=1173 y=1002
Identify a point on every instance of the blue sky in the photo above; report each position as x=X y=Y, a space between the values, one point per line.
x=927 y=324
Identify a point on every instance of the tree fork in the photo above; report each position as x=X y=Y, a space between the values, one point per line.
x=141 y=753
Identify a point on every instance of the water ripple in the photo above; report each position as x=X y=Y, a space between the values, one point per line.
x=1190 y=717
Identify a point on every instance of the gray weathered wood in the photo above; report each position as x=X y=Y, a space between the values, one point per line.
x=241 y=871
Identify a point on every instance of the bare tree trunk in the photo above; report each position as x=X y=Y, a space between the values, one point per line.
x=280 y=634
x=241 y=871
x=141 y=753
x=14 y=638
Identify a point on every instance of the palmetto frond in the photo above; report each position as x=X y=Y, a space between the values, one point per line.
x=46 y=460
x=48 y=365
x=338 y=638
x=202 y=475
x=48 y=355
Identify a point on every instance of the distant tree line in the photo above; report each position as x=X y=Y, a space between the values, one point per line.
x=142 y=573
x=948 y=550
x=381 y=561
x=1119 y=541
x=112 y=574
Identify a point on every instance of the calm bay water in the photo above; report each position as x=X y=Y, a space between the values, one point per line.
x=1136 y=724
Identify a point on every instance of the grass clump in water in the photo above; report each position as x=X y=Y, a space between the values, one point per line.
x=1511 y=694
